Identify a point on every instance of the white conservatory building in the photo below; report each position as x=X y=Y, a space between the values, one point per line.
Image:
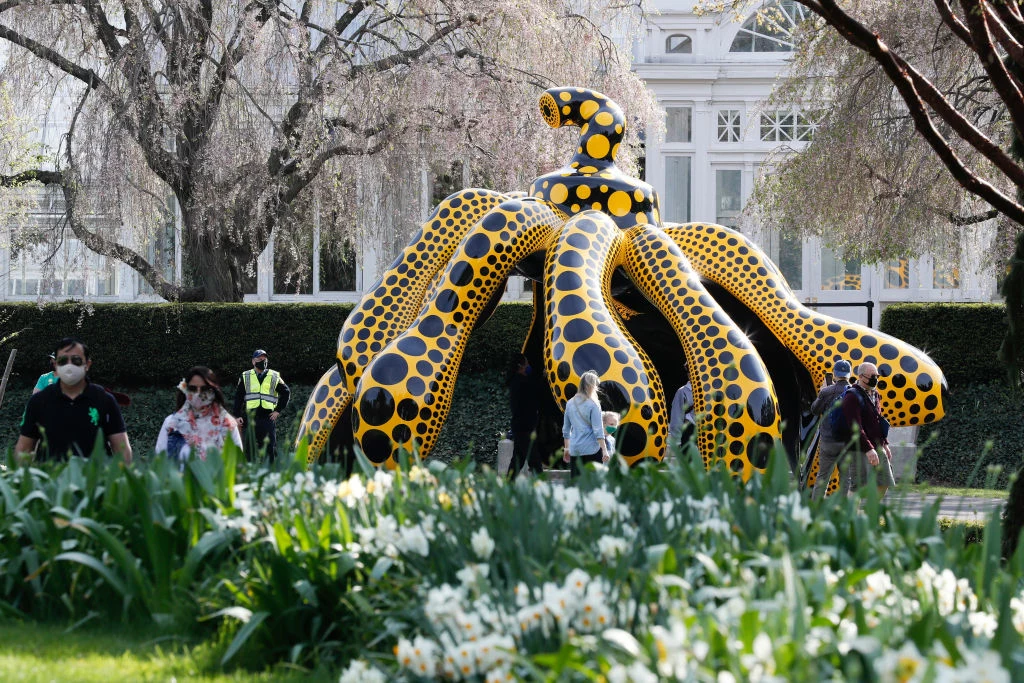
x=710 y=74
x=713 y=77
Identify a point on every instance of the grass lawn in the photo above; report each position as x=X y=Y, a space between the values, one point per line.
x=928 y=489
x=46 y=652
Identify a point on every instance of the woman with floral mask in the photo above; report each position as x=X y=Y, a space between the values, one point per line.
x=201 y=421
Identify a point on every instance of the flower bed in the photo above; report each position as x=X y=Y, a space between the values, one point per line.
x=446 y=572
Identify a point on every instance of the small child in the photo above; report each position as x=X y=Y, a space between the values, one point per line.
x=610 y=420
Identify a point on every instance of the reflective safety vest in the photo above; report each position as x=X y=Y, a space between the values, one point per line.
x=261 y=395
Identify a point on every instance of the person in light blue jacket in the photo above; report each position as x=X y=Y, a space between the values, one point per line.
x=582 y=428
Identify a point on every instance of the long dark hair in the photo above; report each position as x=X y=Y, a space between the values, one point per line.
x=210 y=378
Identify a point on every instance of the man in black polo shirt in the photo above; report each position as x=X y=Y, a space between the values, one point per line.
x=70 y=415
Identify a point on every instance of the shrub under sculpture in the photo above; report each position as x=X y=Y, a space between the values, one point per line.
x=619 y=293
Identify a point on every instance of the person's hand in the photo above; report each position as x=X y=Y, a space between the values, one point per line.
x=241 y=421
x=274 y=415
x=606 y=458
x=565 y=455
x=872 y=458
x=888 y=453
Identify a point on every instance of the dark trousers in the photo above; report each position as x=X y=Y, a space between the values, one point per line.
x=523 y=452
x=576 y=463
x=263 y=432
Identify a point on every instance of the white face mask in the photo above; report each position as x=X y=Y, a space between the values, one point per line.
x=200 y=399
x=71 y=374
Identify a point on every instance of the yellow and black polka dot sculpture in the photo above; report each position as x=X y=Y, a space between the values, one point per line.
x=590 y=236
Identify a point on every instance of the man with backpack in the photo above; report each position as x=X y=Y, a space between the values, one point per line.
x=863 y=412
x=831 y=445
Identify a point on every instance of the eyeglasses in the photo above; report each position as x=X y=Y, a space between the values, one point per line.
x=74 y=360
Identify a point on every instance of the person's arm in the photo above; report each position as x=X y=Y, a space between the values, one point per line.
x=676 y=416
x=597 y=424
x=115 y=430
x=25 y=449
x=236 y=436
x=239 y=403
x=825 y=399
x=120 y=446
x=283 y=393
x=566 y=431
x=161 y=439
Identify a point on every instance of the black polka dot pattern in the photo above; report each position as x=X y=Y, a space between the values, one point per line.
x=582 y=332
x=388 y=308
x=405 y=392
x=592 y=181
x=728 y=376
x=737 y=264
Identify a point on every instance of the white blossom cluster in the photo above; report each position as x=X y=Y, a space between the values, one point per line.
x=718 y=614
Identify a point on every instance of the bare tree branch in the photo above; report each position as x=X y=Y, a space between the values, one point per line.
x=915 y=91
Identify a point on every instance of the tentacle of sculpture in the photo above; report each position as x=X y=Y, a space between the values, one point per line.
x=732 y=390
x=910 y=383
x=388 y=308
x=403 y=398
x=583 y=333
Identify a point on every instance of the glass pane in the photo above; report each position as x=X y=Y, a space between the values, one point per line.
x=729 y=125
x=769 y=128
x=791 y=261
x=744 y=42
x=837 y=273
x=679 y=44
x=337 y=267
x=293 y=261
x=945 y=277
x=787 y=253
x=677 y=189
x=728 y=196
x=678 y=121
x=897 y=274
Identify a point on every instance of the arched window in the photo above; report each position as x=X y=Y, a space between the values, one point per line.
x=678 y=44
x=770 y=29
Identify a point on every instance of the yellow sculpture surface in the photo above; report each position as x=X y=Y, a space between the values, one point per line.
x=588 y=233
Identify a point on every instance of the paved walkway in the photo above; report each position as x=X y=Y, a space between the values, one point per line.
x=909 y=503
x=955 y=507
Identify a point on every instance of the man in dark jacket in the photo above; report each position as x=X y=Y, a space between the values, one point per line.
x=831 y=448
x=862 y=411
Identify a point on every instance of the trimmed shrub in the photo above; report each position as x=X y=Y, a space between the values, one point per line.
x=144 y=350
x=963 y=339
x=982 y=427
x=147 y=345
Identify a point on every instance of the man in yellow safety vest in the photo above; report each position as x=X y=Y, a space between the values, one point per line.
x=261 y=396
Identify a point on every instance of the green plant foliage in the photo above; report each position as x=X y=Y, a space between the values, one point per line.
x=438 y=571
x=963 y=339
x=983 y=428
x=972 y=532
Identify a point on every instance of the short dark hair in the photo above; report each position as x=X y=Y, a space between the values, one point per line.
x=71 y=341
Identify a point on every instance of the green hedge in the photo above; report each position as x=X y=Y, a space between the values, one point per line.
x=983 y=426
x=963 y=339
x=145 y=345
x=144 y=349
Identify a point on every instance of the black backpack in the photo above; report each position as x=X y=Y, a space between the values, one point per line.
x=841 y=429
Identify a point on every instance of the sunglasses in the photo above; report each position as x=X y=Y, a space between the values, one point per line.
x=192 y=388
x=74 y=360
